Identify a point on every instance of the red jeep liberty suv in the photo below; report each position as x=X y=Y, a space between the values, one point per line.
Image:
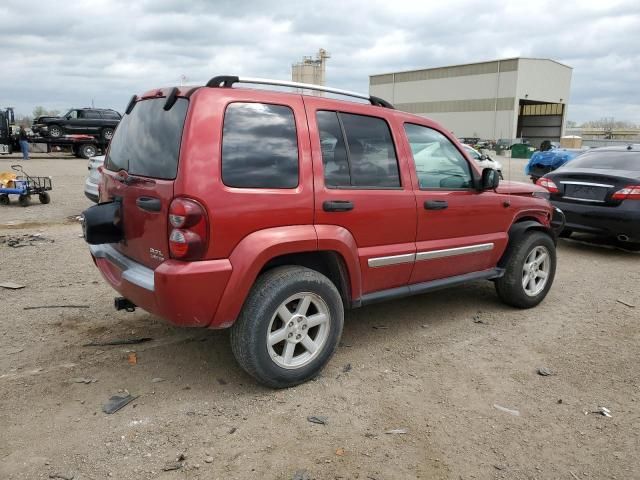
x=272 y=212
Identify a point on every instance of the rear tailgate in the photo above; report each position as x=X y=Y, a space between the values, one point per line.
x=140 y=169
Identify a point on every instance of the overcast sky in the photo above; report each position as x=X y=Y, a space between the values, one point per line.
x=63 y=54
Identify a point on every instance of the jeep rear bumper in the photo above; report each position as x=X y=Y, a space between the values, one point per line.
x=185 y=293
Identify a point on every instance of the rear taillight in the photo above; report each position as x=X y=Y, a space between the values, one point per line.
x=548 y=184
x=630 y=192
x=188 y=229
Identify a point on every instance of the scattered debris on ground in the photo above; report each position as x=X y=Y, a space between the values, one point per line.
x=544 y=372
x=11 y=285
x=84 y=380
x=346 y=368
x=172 y=466
x=38 y=307
x=630 y=305
x=132 y=358
x=319 y=419
x=62 y=476
x=157 y=380
x=604 y=411
x=125 y=341
x=25 y=240
x=340 y=452
x=515 y=413
x=397 y=431
x=116 y=402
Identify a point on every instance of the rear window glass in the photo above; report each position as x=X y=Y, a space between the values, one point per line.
x=111 y=115
x=607 y=161
x=259 y=146
x=147 y=141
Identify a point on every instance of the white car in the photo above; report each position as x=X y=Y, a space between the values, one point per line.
x=93 y=179
x=485 y=161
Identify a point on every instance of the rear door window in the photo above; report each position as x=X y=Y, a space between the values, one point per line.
x=357 y=151
x=111 y=115
x=147 y=141
x=259 y=146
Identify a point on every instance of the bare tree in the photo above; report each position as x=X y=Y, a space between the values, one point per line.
x=40 y=111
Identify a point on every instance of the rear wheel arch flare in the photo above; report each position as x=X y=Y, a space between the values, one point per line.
x=327 y=262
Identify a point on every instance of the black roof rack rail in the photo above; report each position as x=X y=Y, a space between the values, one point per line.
x=228 y=80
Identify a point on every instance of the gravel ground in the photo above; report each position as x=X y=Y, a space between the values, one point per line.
x=442 y=368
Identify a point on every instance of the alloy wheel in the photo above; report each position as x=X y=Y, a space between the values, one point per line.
x=298 y=330
x=535 y=271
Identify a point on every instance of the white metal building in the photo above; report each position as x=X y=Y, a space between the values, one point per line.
x=499 y=99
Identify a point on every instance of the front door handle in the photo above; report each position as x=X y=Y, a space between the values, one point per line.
x=435 y=204
x=149 y=204
x=337 y=205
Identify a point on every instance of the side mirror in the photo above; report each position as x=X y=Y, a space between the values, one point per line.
x=484 y=156
x=490 y=179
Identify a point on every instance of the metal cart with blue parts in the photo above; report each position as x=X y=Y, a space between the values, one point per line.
x=24 y=186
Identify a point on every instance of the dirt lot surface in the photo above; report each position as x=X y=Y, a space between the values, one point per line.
x=447 y=371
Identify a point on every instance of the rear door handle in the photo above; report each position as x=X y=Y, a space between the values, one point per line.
x=149 y=204
x=337 y=205
x=435 y=204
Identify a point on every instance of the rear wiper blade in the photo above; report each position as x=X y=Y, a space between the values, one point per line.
x=132 y=180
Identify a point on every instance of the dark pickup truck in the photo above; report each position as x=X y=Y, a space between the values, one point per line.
x=87 y=121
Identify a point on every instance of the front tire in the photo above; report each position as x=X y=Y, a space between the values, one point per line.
x=107 y=133
x=289 y=326
x=24 y=200
x=530 y=271
x=55 y=131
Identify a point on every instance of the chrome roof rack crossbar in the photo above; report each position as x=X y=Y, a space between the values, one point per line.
x=228 y=81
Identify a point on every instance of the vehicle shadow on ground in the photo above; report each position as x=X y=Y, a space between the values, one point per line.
x=202 y=361
x=600 y=245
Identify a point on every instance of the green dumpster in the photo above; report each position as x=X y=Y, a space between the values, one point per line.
x=521 y=150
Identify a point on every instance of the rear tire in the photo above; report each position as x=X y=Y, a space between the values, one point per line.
x=24 y=200
x=44 y=198
x=523 y=284
x=289 y=326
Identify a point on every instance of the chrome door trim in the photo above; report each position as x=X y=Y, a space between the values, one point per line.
x=391 y=260
x=583 y=199
x=450 y=252
x=588 y=184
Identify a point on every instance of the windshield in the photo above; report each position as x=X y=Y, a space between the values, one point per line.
x=624 y=160
x=147 y=141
